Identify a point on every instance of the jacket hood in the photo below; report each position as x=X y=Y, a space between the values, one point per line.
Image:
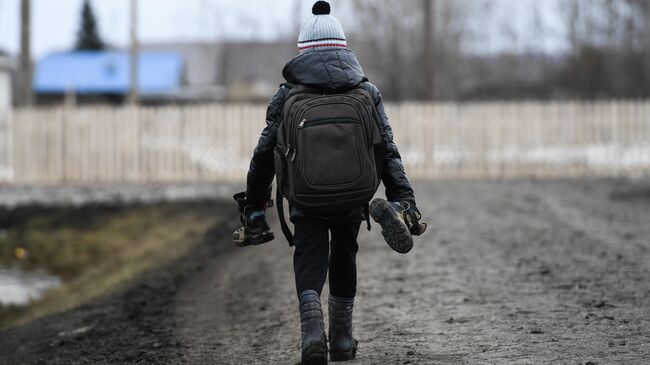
x=331 y=69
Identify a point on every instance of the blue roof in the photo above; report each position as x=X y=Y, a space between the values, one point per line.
x=107 y=72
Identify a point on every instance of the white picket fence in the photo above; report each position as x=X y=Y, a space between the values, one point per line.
x=215 y=142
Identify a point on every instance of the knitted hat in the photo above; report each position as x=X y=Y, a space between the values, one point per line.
x=321 y=30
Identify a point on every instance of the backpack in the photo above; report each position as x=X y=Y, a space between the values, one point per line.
x=325 y=153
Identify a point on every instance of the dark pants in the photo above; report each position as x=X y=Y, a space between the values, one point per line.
x=315 y=252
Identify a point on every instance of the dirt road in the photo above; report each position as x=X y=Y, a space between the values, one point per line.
x=511 y=272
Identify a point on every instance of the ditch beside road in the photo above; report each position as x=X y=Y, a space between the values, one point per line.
x=510 y=272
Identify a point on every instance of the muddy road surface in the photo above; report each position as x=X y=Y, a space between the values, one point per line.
x=510 y=272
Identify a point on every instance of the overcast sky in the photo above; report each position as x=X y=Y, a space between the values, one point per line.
x=55 y=22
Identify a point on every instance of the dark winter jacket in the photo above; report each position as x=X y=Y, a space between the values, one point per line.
x=331 y=70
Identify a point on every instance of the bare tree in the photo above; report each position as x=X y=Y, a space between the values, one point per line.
x=387 y=34
x=608 y=49
x=610 y=46
x=640 y=10
x=413 y=47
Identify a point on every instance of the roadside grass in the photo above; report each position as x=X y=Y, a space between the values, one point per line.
x=97 y=250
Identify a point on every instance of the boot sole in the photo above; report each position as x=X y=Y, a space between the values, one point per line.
x=315 y=354
x=345 y=355
x=394 y=230
x=255 y=240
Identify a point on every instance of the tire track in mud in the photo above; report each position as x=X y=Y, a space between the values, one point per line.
x=238 y=308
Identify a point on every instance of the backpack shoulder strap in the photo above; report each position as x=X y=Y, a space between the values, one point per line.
x=279 y=203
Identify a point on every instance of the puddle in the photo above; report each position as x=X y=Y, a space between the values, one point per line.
x=19 y=287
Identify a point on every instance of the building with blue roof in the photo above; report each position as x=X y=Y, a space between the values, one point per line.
x=93 y=74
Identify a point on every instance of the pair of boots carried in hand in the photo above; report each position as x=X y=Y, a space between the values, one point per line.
x=399 y=222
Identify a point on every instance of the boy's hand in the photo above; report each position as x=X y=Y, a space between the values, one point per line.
x=412 y=219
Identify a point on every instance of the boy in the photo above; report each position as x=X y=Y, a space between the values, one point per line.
x=327 y=74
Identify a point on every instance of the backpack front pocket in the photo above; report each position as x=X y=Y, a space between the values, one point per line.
x=331 y=155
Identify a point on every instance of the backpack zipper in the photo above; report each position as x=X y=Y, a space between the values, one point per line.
x=289 y=150
x=322 y=121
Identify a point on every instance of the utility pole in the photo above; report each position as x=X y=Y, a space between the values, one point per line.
x=429 y=72
x=134 y=52
x=297 y=9
x=25 y=96
x=645 y=10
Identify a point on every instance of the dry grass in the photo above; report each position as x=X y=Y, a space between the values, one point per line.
x=97 y=250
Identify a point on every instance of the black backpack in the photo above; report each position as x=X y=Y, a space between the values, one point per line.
x=325 y=154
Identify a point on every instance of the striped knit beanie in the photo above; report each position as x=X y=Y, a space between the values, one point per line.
x=321 y=30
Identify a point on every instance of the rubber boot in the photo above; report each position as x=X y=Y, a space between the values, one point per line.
x=392 y=218
x=312 y=329
x=343 y=346
x=255 y=228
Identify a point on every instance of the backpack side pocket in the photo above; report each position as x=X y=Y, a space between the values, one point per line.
x=280 y=163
